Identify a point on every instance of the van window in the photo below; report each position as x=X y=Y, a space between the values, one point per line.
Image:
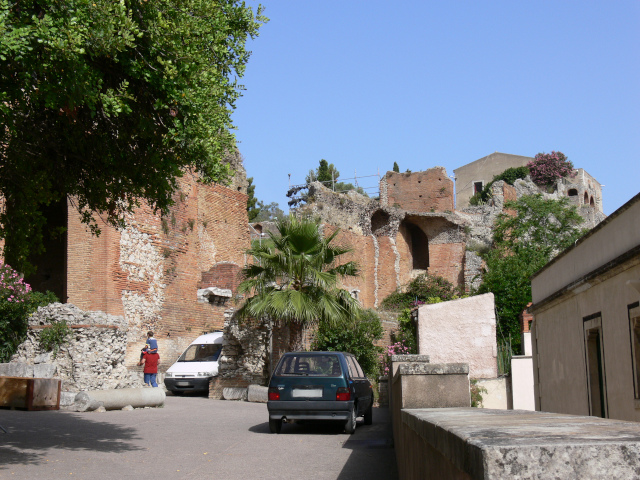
x=207 y=352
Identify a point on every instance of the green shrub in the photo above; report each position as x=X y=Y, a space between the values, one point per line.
x=423 y=289
x=355 y=337
x=476 y=392
x=510 y=175
x=54 y=336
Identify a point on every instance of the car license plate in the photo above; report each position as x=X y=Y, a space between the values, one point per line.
x=182 y=384
x=306 y=392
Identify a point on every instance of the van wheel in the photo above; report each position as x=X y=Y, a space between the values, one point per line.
x=350 y=426
x=368 y=415
x=275 y=425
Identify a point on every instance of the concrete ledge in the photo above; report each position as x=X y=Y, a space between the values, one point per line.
x=410 y=358
x=432 y=369
x=482 y=444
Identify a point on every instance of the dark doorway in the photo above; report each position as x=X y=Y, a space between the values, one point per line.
x=595 y=367
x=418 y=245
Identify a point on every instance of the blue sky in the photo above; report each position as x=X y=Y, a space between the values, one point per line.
x=425 y=83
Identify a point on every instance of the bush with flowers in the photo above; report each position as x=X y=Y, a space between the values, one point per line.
x=404 y=341
x=17 y=302
x=546 y=168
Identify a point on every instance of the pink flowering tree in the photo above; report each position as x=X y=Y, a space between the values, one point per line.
x=546 y=168
x=17 y=302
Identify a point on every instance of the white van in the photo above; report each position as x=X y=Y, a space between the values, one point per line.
x=195 y=367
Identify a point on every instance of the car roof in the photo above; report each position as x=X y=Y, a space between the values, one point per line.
x=213 y=337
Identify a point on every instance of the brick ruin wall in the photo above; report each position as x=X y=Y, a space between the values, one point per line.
x=381 y=237
x=150 y=271
x=427 y=191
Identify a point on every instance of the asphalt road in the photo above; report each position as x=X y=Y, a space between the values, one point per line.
x=190 y=437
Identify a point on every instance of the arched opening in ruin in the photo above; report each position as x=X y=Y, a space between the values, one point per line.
x=379 y=220
x=586 y=198
x=572 y=192
x=418 y=244
x=592 y=202
x=257 y=227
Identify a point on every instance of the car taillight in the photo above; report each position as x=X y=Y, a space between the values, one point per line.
x=343 y=394
x=274 y=394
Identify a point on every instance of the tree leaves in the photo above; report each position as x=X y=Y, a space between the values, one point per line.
x=108 y=103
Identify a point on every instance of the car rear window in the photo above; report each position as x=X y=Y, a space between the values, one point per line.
x=310 y=364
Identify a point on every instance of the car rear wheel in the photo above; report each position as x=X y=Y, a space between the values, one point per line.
x=368 y=415
x=275 y=425
x=350 y=426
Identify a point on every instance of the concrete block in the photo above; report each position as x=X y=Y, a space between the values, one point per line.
x=234 y=393
x=16 y=369
x=44 y=370
x=257 y=393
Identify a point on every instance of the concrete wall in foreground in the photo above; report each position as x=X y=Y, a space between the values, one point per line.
x=471 y=443
x=461 y=331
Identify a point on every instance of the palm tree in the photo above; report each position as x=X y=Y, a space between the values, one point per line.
x=294 y=278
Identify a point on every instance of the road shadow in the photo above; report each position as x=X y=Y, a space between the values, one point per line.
x=30 y=435
x=372 y=453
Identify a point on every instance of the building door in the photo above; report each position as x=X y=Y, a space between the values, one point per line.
x=594 y=353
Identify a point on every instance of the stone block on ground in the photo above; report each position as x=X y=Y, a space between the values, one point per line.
x=257 y=393
x=234 y=393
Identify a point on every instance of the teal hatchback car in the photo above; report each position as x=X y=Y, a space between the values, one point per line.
x=319 y=386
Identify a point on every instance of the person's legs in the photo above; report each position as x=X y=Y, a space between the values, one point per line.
x=152 y=379
x=147 y=378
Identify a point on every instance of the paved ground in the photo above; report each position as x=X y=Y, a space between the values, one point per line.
x=191 y=437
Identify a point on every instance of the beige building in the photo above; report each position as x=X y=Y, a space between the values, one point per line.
x=586 y=332
x=473 y=177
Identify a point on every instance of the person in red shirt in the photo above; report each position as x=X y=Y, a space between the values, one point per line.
x=150 y=362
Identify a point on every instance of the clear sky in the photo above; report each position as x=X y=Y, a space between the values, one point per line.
x=441 y=83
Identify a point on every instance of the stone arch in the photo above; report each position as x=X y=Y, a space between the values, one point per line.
x=592 y=202
x=418 y=244
x=572 y=192
x=586 y=198
x=257 y=227
x=379 y=220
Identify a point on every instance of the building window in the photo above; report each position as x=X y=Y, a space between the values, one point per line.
x=477 y=187
x=594 y=357
x=634 y=331
x=572 y=192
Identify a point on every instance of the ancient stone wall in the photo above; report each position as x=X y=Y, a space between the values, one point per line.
x=92 y=357
x=150 y=271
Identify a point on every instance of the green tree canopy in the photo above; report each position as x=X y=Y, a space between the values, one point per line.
x=269 y=212
x=523 y=242
x=325 y=173
x=355 y=337
x=294 y=277
x=107 y=103
x=252 y=209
